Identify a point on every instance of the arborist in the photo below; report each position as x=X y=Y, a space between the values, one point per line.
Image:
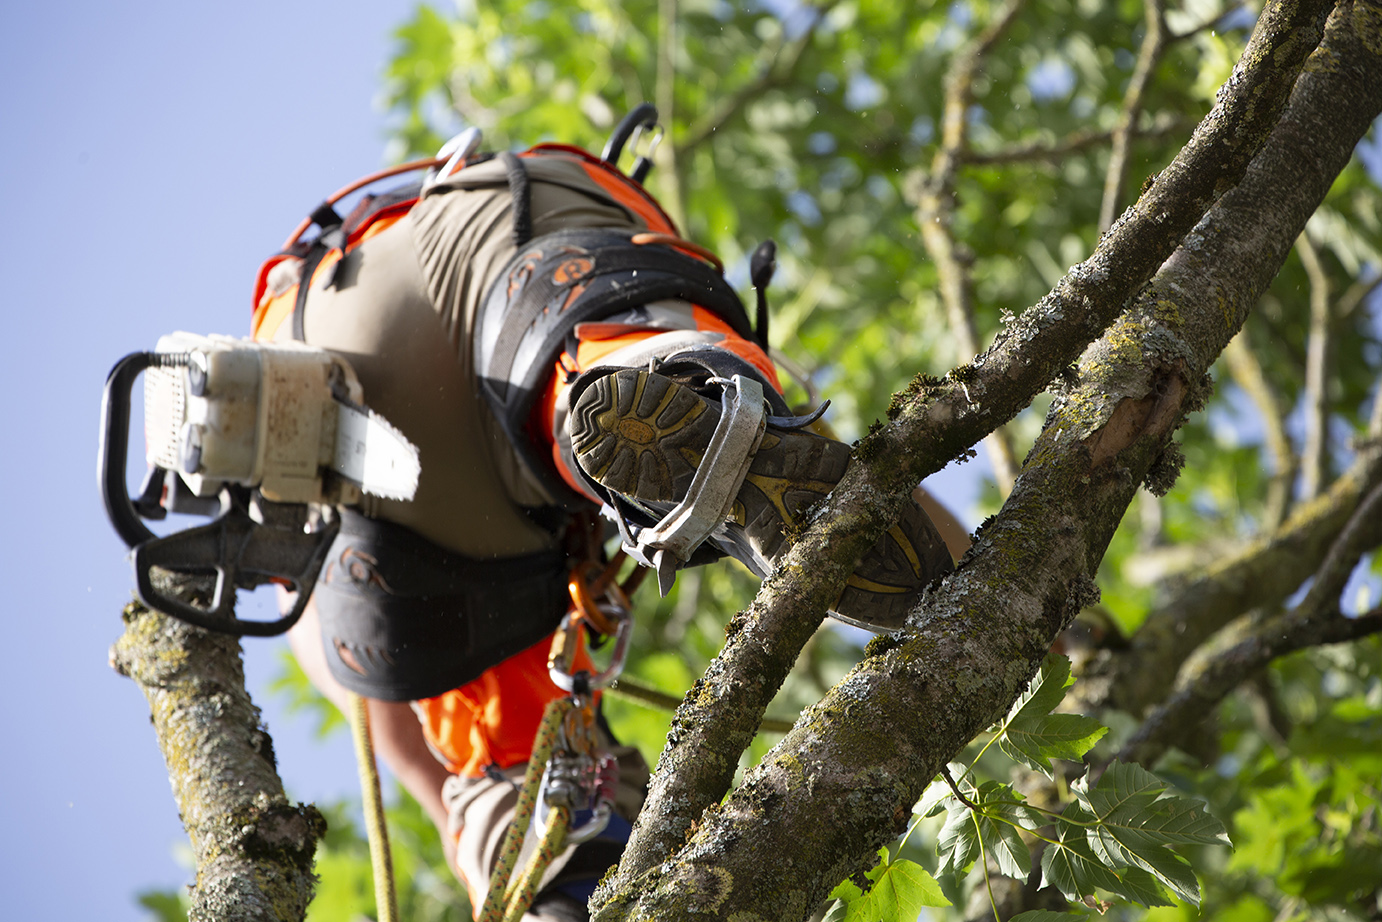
x=536 y=331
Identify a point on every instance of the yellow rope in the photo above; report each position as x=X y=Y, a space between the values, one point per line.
x=553 y=841
x=497 y=897
x=381 y=859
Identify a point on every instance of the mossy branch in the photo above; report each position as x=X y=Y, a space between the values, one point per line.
x=938 y=421
x=254 y=849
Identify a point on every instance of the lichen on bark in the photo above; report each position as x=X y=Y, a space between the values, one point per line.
x=254 y=849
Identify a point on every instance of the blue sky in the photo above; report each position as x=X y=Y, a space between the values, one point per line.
x=153 y=153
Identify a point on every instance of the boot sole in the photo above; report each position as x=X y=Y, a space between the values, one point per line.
x=643 y=435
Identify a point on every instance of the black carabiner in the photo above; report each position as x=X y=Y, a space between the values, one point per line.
x=643 y=115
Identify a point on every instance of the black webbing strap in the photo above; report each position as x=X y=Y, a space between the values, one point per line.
x=608 y=274
x=521 y=191
x=332 y=237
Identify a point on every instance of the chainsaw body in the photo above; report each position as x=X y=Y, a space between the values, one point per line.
x=266 y=439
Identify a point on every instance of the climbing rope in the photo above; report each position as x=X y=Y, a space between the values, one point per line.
x=552 y=844
x=496 y=899
x=568 y=769
x=381 y=859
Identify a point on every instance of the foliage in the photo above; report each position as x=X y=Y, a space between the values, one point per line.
x=819 y=126
x=1112 y=840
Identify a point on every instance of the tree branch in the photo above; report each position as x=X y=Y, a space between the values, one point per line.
x=1319 y=349
x=874 y=742
x=935 y=201
x=1153 y=44
x=777 y=68
x=666 y=93
x=1260 y=575
x=1316 y=620
x=254 y=849
x=1247 y=372
x=1159 y=129
x=1356 y=294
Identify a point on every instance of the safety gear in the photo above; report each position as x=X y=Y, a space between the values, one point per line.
x=403 y=619
x=570 y=278
x=658 y=441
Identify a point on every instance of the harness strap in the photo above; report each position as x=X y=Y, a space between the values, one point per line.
x=521 y=192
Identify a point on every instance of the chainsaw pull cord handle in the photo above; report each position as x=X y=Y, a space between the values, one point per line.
x=115 y=441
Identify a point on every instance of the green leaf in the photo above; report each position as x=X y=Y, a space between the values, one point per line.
x=1139 y=819
x=1069 y=864
x=958 y=844
x=1033 y=735
x=1141 y=887
x=1046 y=915
x=900 y=891
x=166 y=905
x=1007 y=848
x=1002 y=814
x=846 y=891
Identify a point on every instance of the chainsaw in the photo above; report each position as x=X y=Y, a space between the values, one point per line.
x=266 y=439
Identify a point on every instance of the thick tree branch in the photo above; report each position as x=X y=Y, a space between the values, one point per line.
x=1316 y=620
x=254 y=849
x=1153 y=44
x=872 y=744
x=935 y=202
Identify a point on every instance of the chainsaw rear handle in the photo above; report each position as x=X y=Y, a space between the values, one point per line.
x=239 y=551
x=115 y=442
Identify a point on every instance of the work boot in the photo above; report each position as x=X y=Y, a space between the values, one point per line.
x=642 y=435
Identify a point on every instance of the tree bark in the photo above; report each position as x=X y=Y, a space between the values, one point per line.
x=843 y=781
x=254 y=849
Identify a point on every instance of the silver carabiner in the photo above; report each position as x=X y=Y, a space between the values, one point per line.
x=566 y=681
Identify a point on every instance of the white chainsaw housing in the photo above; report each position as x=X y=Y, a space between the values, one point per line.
x=262 y=415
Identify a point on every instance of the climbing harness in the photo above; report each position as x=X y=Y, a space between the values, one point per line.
x=570 y=773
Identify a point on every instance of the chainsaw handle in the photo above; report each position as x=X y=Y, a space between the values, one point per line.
x=239 y=551
x=115 y=443
x=242 y=553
